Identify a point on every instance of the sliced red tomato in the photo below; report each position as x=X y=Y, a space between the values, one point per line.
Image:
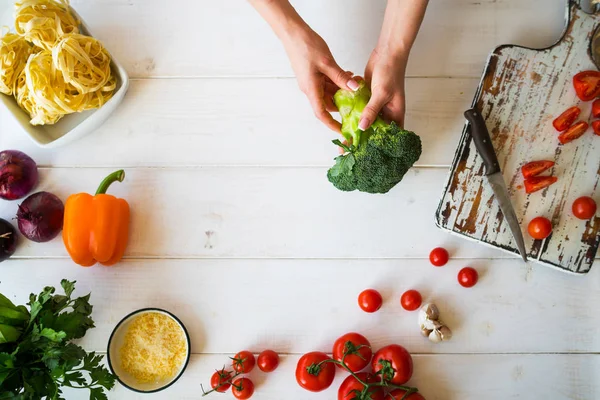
x=596 y=127
x=587 y=85
x=534 y=168
x=566 y=119
x=536 y=183
x=574 y=132
x=596 y=108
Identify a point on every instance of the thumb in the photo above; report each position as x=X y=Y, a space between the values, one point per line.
x=341 y=78
x=371 y=111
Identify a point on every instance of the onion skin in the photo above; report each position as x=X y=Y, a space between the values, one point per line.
x=40 y=217
x=8 y=240
x=18 y=174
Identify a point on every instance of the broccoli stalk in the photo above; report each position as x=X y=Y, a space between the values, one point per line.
x=375 y=160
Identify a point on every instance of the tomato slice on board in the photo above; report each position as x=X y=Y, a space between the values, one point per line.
x=587 y=85
x=574 y=132
x=534 y=168
x=566 y=119
x=596 y=127
x=536 y=183
x=596 y=108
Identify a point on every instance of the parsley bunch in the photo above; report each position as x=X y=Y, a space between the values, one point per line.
x=39 y=360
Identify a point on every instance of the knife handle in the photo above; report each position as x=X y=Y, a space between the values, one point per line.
x=483 y=141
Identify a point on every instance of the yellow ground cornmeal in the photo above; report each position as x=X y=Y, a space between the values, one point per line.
x=154 y=349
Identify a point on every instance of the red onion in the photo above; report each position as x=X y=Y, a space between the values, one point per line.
x=40 y=217
x=18 y=174
x=8 y=239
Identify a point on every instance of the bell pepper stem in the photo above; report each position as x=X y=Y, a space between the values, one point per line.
x=115 y=176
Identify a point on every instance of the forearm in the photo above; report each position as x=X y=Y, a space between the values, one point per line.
x=401 y=25
x=281 y=17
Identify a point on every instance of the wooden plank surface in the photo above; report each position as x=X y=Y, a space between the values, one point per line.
x=273 y=300
x=498 y=377
x=522 y=92
x=261 y=212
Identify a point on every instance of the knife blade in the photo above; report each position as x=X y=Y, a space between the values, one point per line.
x=485 y=148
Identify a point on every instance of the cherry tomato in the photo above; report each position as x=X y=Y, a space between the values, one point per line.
x=566 y=119
x=596 y=108
x=219 y=381
x=268 y=361
x=398 y=394
x=357 y=360
x=584 y=207
x=311 y=377
x=534 y=168
x=244 y=362
x=395 y=363
x=540 y=228
x=242 y=388
x=439 y=256
x=587 y=85
x=350 y=387
x=574 y=132
x=536 y=183
x=596 y=127
x=411 y=300
x=467 y=277
x=370 y=300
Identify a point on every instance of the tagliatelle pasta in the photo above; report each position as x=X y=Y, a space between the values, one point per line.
x=83 y=61
x=14 y=51
x=63 y=72
x=44 y=22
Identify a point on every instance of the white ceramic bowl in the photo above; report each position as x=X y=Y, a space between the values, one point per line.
x=72 y=126
x=116 y=342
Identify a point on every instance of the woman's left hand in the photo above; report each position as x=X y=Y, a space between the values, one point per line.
x=385 y=75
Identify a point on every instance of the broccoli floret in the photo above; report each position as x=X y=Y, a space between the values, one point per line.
x=377 y=158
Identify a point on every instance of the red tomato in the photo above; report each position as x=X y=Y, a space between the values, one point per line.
x=574 y=132
x=311 y=377
x=370 y=300
x=596 y=108
x=351 y=388
x=536 y=183
x=411 y=300
x=395 y=364
x=596 y=127
x=398 y=394
x=566 y=119
x=439 y=256
x=243 y=362
x=534 y=168
x=540 y=228
x=268 y=361
x=220 y=381
x=357 y=358
x=584 y=207
x=242 y=388
x=467 y=277
x=587 y=85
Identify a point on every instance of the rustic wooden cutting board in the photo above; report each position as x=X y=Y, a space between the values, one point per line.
x=521 y=91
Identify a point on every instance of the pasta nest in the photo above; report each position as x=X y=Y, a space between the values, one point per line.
x=14 y=51
x=44 y=22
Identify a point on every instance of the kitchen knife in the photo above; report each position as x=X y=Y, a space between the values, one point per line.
x=485 y=148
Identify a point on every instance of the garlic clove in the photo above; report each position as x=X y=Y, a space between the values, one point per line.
x=445 y=333
x=431 y=325
x=435 y=336
x=431 y=311
x=425 y=332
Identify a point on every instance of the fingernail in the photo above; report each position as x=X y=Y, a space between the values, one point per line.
x=363 y=125
x=352 y=84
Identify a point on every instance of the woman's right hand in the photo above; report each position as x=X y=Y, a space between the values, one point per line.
x=318 y=75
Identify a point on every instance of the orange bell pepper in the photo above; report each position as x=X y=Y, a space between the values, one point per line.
x=96 y=228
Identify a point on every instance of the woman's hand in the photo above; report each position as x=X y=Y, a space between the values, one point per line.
x=385 y=75
x=318 y=75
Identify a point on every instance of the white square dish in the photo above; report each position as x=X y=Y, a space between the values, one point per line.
x=72 y=126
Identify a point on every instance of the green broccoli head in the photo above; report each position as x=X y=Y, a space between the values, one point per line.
x=379 y=157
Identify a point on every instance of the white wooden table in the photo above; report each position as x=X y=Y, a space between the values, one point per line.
x=236 y=229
